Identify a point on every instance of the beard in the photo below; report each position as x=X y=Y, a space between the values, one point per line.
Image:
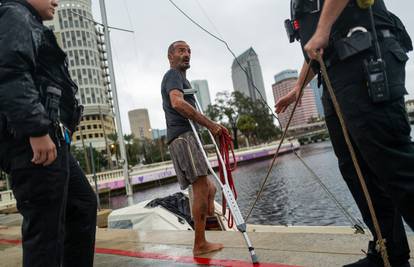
x=184 y=66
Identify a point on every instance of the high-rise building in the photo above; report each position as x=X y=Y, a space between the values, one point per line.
x=250 y=62
x=284 y=83
x=140 y=123
x=203 y=93
x=317 y=91
x=83 y=43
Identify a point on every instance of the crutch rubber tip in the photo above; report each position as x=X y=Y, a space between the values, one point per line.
x=255 y=259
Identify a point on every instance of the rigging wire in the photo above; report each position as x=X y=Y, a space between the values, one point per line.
x=354 y=222
x=208 y=18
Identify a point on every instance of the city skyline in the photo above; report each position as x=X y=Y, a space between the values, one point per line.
x=141 y=58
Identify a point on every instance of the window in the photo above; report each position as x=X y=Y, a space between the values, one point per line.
x=76 y=57
x=81 y=22
x=79 y=75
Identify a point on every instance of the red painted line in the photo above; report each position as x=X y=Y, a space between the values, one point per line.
x=178 y=259
x=10 y=242
x=186 y=259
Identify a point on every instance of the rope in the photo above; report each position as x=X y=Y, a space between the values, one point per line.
x=302 y=87
x=380 y=241
x=226 y=146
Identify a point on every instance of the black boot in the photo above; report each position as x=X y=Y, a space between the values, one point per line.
x=373 y=259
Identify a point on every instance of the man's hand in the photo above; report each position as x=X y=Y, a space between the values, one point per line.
x=44 y=150
x=283 y=103
x=317 y=43
x=217 y=129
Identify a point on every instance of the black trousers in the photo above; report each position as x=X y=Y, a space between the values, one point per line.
x=59 y=211
x=380 y=134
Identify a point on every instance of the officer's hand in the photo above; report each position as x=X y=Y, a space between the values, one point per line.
x=283 y=103
x=317 y=43
x=44 y=150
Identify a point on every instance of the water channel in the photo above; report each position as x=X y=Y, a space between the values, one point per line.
x=291 y=197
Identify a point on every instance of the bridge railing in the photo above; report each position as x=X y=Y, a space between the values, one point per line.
x=106 y=176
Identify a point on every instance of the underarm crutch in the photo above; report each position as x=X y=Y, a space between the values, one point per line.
x=225 y=188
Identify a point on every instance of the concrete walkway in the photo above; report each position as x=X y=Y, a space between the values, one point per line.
x=174 y=248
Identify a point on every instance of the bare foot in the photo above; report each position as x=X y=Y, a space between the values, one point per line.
x=211 y=194
x=207 y=247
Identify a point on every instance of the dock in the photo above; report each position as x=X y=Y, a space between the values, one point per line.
x=276 y=246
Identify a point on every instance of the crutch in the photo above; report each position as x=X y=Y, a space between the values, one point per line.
x=228 y=194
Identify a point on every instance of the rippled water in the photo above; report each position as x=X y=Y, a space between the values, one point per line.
x=291 y=196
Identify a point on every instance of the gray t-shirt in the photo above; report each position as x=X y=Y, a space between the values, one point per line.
x=176 y=123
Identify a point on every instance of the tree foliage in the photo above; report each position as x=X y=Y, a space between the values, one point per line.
x=238 y=112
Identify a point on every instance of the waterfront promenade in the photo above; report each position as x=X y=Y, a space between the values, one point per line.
x=140 y=175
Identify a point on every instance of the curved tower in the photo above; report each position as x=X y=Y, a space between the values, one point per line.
x=82 y=41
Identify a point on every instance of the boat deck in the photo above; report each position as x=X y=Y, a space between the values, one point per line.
x=275 y=246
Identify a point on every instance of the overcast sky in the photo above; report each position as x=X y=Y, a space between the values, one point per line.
x=141 y=58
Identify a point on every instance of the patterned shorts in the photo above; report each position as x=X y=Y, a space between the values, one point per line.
x=188 y=160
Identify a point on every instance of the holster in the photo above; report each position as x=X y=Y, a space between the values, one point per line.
x=342 y=48
x=77 y=116
x=52 y=102
x=352 y=45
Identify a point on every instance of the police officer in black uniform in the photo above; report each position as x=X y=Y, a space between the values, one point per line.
x=371 y=96
x=38 y=113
